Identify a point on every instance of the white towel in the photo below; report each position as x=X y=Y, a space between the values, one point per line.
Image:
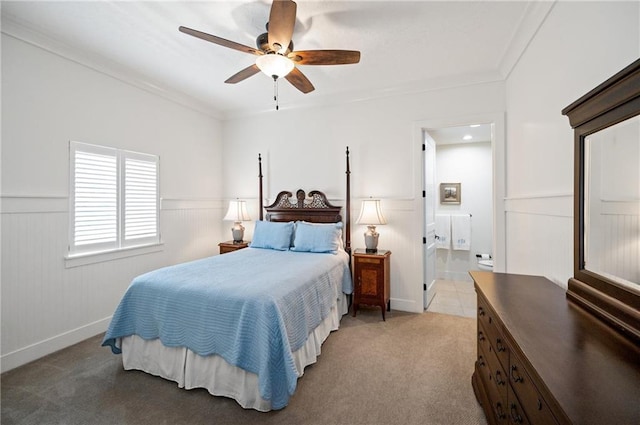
x=443 y=231
x=461 y=232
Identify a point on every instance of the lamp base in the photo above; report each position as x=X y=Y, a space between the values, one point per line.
x=238 y=232
x=371 y=239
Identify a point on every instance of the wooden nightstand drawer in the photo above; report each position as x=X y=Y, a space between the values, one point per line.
x=367 y=260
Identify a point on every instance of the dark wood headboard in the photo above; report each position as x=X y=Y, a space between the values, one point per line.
x=314 y=207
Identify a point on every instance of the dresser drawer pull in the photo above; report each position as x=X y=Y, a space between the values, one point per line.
x=499 y=412
x=481 y=361
x=499 y=346
x=515 y=375
x=499 y=380
x=480 y=311
x=515 y=417
x=480 y=336
x=539 y=404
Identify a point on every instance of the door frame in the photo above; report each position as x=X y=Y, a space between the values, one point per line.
x=429 y=235
x=497 y=119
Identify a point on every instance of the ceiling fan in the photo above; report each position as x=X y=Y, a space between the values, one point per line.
x=275 y=54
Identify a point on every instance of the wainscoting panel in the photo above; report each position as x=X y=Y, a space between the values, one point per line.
x=539 y=231
x=616 y=247
x=47 y=306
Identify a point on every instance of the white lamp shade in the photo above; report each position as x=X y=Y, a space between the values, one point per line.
x=237 y=211
x=371 y=214
x=275 y=65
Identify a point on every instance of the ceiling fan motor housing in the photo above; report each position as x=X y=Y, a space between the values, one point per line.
x=262 y=43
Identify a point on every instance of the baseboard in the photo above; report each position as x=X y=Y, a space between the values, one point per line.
x=405 y=305
x=40 y=349
x=431 y=294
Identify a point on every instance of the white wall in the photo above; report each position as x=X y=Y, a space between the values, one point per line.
x=579 y=45
x=46 y=101
x=471 y=165
x=305 y=149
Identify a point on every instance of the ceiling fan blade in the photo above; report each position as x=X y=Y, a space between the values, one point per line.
x=299 y=81
x=325 y=57
x=220 y=41
x=282 y=19
x=243 y=75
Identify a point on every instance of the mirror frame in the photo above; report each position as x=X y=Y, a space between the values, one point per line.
x=610 y=103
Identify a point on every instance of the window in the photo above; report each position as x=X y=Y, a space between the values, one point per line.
x=114 y=199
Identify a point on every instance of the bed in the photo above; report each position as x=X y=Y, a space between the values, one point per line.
x=244 y=324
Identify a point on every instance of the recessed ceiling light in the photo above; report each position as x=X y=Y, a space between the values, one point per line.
x=467 y=137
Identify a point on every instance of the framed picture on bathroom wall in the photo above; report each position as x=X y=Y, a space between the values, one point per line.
x=450 y=193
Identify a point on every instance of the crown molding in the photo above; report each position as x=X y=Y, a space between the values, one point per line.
x=533 y=18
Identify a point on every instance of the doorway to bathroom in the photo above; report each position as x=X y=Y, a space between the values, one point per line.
x=461 y=186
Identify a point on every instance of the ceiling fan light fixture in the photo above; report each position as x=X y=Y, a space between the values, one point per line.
x=275 y=65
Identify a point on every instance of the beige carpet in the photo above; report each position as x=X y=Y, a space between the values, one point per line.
x=411 y=369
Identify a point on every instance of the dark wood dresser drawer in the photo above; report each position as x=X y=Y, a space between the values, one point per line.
x=497 y=395
x=526 y=390
x=497 y=374
x=516 y=414
x=494 y=333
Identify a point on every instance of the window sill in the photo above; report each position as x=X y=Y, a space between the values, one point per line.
x=100 y=257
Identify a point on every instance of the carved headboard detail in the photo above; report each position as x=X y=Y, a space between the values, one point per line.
x=316 y=199
x=314 y=208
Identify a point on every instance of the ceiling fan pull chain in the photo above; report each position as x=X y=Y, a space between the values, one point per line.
x=275 y=91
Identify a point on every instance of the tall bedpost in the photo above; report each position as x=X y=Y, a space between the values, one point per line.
x=260 y=179
x=347 y=219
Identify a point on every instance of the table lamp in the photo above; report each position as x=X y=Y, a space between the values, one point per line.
x=237 y=213
x=371 y=215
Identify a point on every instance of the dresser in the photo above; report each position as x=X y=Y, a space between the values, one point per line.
x=541 y=359
x=371 y=279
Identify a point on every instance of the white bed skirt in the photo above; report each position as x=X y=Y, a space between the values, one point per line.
x=220 y=378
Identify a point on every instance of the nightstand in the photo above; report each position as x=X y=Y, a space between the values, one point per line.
x=371 y=271
x=231 y=246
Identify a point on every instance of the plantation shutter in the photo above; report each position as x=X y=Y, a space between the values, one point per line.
x=114 y=199
x=140 y=210
x=94 y=198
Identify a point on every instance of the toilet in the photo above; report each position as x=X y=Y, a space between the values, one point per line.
x=485 y=262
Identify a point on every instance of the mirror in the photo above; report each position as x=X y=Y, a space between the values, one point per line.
x=612 y=203
x=606 y=267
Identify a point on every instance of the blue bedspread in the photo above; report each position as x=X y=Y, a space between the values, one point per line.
x=253 y=307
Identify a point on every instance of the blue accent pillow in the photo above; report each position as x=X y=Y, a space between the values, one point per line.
x=272 y=235
x=316 y=237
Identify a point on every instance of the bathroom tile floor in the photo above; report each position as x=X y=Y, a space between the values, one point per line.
x=454 y=297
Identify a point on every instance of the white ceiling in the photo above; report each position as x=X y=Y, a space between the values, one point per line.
x=405 y=46
x=473 y=133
